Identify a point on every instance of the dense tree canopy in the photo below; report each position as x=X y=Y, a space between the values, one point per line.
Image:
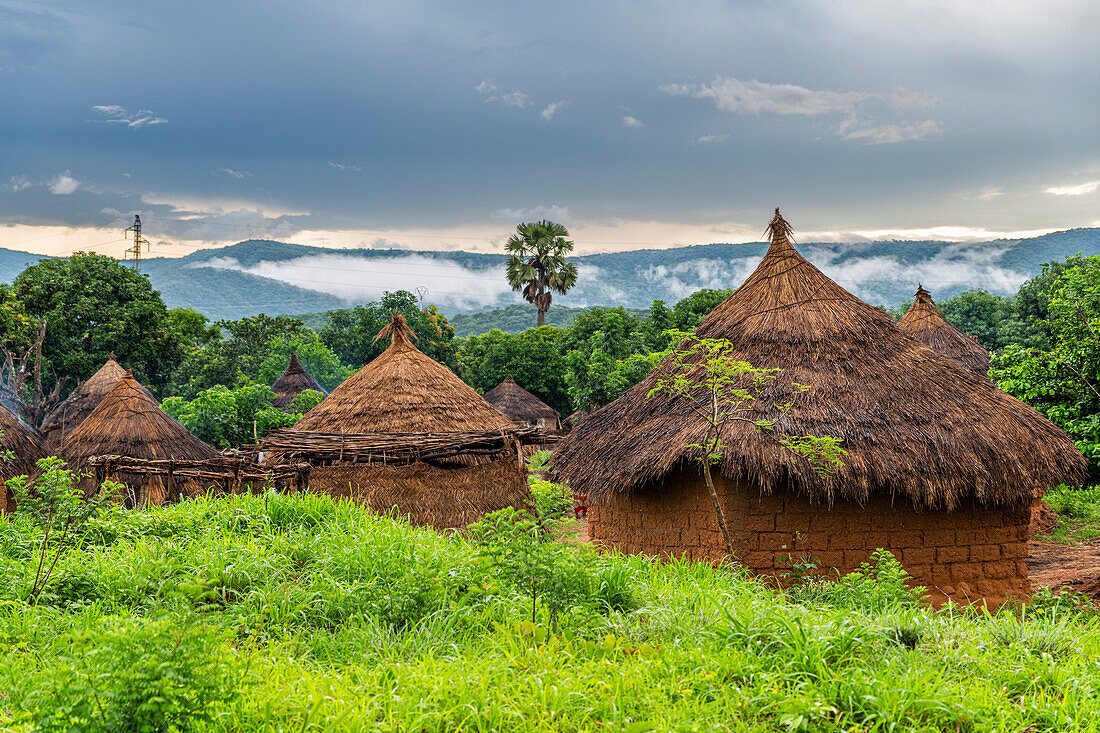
x=94 y=305
x=533 y=358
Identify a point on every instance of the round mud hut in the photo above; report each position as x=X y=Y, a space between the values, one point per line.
x=522 y=407
x=924 y=322
x=128 y=422
x=88 y=396
x=25 y=448
x=294 y=381
x=405 y=394
x=941 y=466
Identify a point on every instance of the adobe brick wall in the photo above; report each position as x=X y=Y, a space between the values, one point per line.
x=972 y=554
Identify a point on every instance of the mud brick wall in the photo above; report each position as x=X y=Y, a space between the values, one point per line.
x=972 y=554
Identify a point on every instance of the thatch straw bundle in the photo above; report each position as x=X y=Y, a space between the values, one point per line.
x=294 y=381
x=22 y=442
x=80 y=406
x=128 y=422
x=403 y=390
x=915 y=423
x=926 y=324
x=521 y=406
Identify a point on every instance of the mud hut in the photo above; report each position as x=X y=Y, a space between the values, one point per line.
x=294 y=381
x=403 y=392
x=926 y=324
x=128 y=422
x=941 y=465
x=26 y=450
x=88 y=395
x=522 y=407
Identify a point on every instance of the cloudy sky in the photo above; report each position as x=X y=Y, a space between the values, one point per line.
x=440 y=125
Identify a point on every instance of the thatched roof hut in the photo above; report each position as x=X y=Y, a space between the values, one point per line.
x=521 y=406
x=128 y=422
x=926 y=324
x=403 y=390
x=930 y=445
x=80 y=406
x=25 y=447
x=294 y=381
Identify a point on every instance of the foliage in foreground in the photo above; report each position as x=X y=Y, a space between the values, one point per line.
x=295 y=613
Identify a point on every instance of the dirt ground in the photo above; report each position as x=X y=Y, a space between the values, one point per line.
x=1076 y=567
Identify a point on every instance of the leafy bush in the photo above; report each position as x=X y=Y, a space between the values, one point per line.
x=875 y=586
x=1075 y=503
x=134 y=675
x=229 y=418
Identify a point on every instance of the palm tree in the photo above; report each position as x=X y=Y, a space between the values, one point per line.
x=537 y=265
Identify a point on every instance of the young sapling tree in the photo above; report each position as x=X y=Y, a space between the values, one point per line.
x=722 y=389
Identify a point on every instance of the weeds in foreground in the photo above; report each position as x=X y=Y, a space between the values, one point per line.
x=297 y=613
x=1079 y=512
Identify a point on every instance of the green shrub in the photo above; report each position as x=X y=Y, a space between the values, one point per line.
x=133 y=675
x=875 y=586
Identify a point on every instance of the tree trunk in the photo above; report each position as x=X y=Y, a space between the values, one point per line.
x=541 y=320
x=714 y=500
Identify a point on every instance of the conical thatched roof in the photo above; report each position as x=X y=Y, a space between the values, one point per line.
x=88 y=396
x=129 y=422
x=519 y=404
x=403 y=391
x=22 y=442
x=294 y=381
x=926 y=324
x=915 y=423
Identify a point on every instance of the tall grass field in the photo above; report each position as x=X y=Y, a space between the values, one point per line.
x=294 y=613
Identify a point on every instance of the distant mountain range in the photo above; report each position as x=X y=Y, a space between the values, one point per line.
x=261 y=276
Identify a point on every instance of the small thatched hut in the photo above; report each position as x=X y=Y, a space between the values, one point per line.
x=26 y=450
x=294 y=381
x=523 y=407
x=128 y=422
x=941 y=465
x=403 y=391
x=80 y=406
x=926 y=324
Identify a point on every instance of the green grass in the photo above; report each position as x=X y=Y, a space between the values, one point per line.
x=289 y=613
x=1079 y=513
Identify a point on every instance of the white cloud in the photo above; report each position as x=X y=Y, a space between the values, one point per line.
x=872 y=134
x=359 y=279
x=632 y=121
x=64 y=184
x=518 y=216
x=235 y=174
x=990 y=194
x=493 y=93
x=908 y=99
x=20 y=183
x=116 y=114
x=1079 y=190
x=712 y=138
x=755 y=97
x=344 y=166
x=551 y=110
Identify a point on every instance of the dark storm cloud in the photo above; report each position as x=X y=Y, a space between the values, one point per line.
x=408 y=113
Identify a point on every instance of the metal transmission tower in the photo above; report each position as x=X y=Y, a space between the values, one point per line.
x=138 y=241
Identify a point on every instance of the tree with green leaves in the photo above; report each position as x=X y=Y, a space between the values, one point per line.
x=537 y=263
x=230 y=418
x=533 y=358
x=94 y=305
x=1063 y=380
x=690 y=311
x=723 y=390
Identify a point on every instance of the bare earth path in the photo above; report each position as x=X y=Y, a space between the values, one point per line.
x=1076 y=567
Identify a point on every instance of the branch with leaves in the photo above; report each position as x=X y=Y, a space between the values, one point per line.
x=706 y=375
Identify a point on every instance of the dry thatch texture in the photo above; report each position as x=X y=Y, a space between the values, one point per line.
x=294 y=381
x=916 y=424
x=443 y=498
x=129 y=422
x=520 y=405
x=22 y=442
x=926 y=324
x=391 y=448
x=403 y=391
x=87 y=398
